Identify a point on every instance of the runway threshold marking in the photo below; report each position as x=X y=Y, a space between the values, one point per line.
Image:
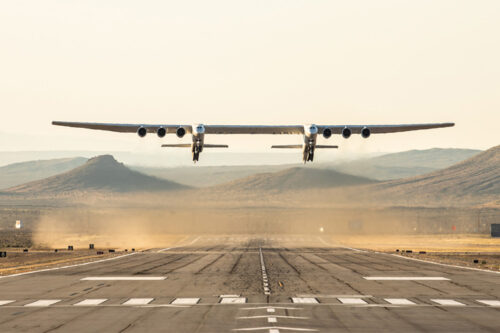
x=43 y=302
x=304 y=300
x=447 y=302
x=186 y=301
x=138 y=301
x=405 y=278
x=6 y=302
x=91 y=302
x=233 y=300
x=351 y=301
x=489 y=302
x=399 y=301
x=124 y=278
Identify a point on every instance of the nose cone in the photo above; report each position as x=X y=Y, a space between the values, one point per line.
x=311 y=129
x=199 y=129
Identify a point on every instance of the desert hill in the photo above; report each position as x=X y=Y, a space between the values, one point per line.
x=24 y=172
x=476 y=176
x=295 y=179
x=385 y=167
x=405 y=164
x=102 y=173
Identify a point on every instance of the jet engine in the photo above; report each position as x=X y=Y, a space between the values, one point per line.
x=181 y=131
x=142 y=131
x=346 y=132
x=365 y=132
x=161 y=132
x=327 y=133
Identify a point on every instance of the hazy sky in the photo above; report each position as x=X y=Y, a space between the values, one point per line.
x=249 y=62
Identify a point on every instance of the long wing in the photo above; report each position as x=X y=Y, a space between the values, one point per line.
x=378 y=129
x=123 y=128
x=251 y=129
x=254 y=129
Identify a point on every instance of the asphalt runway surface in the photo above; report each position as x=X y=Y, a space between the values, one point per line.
x=252 y=284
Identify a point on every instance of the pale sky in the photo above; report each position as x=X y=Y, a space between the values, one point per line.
x=249 y=62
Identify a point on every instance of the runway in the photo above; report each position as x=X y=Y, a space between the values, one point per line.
x=252 y=284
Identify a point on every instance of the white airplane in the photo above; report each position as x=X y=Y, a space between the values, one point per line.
x=309 y=132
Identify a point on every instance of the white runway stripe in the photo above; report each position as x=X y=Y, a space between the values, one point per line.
x=405 y=278
x=5 y=302
x=490 y=302
x=447 y=302
x=233 y=300
x=304 y=300
x=399 y=301
x=346 y=300
x=275 y=328
x=186 y=301
x=91 y=301
x=124 y=278
x=44 y=302
x=138 y=301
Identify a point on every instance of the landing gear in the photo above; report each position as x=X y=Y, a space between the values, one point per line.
x=308 y=154
x=196 y=149
x=196 y=156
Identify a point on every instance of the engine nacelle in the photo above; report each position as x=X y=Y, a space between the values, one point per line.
x=142 y=131
x=161 y=132
x=181 y=131
x=346 y=132
x=365 y=132
x=327 y=133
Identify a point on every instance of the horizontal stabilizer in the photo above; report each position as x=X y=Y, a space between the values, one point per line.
x=287 y=146
x=326 y=146
x=215 y=146
x=179 y=145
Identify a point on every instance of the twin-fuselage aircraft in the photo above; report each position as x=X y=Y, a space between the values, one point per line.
x=309 y=133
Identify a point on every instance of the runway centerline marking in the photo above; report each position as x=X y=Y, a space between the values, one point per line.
x=347 y=300
x=405 y=278
x=186 y=301
x=138 y=301
x=265 y=283
x=44 y=302
x=91 y=302
x=124 y=278
x=6 y=302
x=272 y=320
x=447 y=302
x=399 y=301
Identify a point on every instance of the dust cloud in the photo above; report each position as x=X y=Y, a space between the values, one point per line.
x=141 y=223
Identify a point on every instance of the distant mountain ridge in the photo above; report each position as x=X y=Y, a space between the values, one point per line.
x=405 y=164
x=297 y=178
x=24 y=172
x=102 y=173
x=476 y=176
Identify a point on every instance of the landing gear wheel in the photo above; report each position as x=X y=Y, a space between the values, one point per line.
x=196 y=156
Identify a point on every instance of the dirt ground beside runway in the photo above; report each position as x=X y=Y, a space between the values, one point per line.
x=454 y=249
x=18 y=261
